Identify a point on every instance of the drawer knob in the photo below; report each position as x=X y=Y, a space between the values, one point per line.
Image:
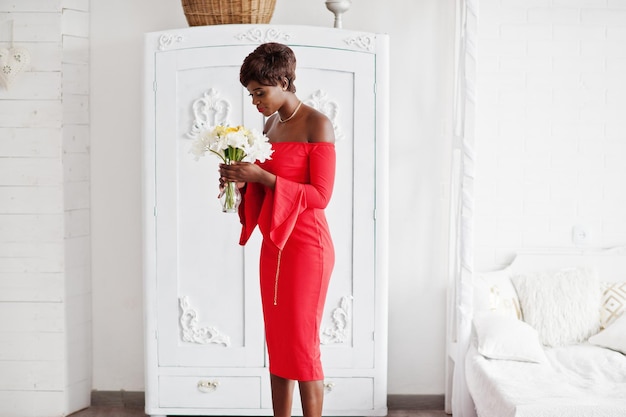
x=328 y=386
x=207 y=386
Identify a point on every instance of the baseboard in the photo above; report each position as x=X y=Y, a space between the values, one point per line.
x=125 y=399
x=135 y=399
x=415 y=402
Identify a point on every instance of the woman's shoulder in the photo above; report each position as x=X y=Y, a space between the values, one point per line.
x=319 y=126
x=314 y=115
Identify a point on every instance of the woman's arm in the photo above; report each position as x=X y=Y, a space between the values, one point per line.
x=322 y=161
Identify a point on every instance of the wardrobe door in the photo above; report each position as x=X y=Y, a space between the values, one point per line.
x=341 y=84
x=207 y=285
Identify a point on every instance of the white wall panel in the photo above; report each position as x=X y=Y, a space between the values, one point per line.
x=19 y=286
x=77 y=195
x=30 y=171
x=82 y=5
x=32 y=403
x=32 y=375
x=36 y=347
x=76 y=109
x=44 y=242
x=77 y=81
x=43 y=257
x=31 y=227
x=30 y=142
x=32 y=317
x=77 y=223
x=32 y=5
x=30 y=200
x=44 y=56
x=76 y=167
x=76 y=139
x=76 y=282
x=75 y=50
x=31 y=113
x=77 y=251
x=36 y=27
x=75 y=23
x=34 y=86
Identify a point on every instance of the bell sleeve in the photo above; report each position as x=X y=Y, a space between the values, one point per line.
x=250 y=209
x=292 y=198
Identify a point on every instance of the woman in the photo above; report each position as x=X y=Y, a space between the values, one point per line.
x=286 y=197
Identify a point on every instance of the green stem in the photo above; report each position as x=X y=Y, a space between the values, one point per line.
x=218 y=154
x=229 y=197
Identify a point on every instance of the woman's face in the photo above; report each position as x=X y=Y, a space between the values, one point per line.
x=267 y=99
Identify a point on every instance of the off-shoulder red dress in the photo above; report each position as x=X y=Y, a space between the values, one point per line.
x=297 y=253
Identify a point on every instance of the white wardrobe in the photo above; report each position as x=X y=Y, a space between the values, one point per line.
x=205 y=352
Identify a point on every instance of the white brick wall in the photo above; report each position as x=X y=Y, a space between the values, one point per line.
x=550 y=125
x=45 y=285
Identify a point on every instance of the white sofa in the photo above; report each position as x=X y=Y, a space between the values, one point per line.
x=549 y=337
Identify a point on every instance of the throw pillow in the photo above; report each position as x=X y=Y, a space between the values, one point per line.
x=506 y=338
x=613 y=337
x=494 y=292
x=561 y=305
x=613 y=302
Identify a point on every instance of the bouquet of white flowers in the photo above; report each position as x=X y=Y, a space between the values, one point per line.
x=232 y=144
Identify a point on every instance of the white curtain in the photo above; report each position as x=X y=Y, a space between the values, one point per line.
x=462 y=204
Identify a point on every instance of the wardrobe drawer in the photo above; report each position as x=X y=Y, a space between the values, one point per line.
x=348 y=393
x=209 y=392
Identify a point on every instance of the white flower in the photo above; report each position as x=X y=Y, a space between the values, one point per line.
x=234 y=143
x=198 y=148
x=259 y=148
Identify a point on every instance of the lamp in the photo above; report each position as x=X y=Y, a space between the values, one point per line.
x=338 y=7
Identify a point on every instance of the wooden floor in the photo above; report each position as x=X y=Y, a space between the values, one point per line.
x=131 y=404
x=106 y=411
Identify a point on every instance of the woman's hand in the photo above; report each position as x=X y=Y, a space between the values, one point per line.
x=244 y=172
x=237 y=172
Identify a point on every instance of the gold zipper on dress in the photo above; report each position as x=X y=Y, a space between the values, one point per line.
x=276 y=279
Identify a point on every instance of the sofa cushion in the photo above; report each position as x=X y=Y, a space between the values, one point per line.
x=561 y=305
x=613 y=302
x=494 y=292
x=501 y=337
x=613 y=337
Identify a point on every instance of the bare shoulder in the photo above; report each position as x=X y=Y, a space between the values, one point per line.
x=270 y=122
x=319 y=127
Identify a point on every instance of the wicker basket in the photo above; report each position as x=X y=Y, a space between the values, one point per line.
x=219 y=12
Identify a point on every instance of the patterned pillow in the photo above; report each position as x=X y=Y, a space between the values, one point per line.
x=613 y=302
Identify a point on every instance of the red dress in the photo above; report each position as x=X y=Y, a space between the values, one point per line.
x=297 y=254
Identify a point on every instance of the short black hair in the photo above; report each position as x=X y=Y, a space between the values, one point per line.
x=269 y=64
